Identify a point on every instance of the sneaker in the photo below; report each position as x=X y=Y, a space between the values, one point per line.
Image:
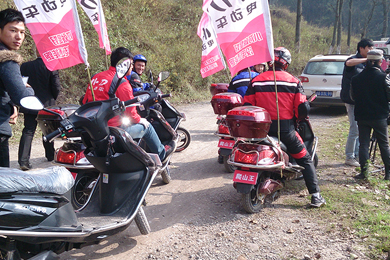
x=317 y=201
x=169 y=149
x=25 y=167
x=352 y=162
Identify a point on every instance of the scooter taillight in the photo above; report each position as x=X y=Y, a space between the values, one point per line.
x=254 y=154
x=247 y=158
x=223 y=129
x=69 y=157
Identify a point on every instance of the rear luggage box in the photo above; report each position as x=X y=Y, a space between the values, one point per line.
x=216 y=88
x=223 y=102
x=249 y=122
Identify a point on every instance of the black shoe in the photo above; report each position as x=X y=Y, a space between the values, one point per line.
x=387 y=176
x=360 y=176
x=299 y=178
x=317 y=201
x=25 y=167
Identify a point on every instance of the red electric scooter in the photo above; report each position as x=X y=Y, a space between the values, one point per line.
x=263 y=165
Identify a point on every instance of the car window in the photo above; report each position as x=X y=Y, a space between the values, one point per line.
x=324 y=68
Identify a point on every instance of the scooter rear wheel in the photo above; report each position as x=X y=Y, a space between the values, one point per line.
x=142 y=222
x=228 y=167
x=251 y=203
x=184 y=139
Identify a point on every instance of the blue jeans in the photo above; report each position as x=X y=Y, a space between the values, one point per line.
x=352 y=145
x=138 y=131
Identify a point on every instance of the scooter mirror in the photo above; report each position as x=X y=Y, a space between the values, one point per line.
x=32 y=103
x=123 y=67
x=163 y=75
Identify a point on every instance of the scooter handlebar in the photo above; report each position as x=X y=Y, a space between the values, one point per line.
x=51 y=136
x=166 y=95
x=131 y=101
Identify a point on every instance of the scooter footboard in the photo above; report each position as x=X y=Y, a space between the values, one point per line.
x=117 y=188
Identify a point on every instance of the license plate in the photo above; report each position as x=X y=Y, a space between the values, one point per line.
x=227 y=144
x=245 y=177
x=325 y=93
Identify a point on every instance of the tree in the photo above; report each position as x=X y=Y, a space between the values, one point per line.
x=349 y=26
x=386 y=10
x=340 y=7
x=369 y=17
x=335 y=25
x=298 y=26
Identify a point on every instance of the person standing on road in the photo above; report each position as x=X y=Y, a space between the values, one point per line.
x=295 y=106
x=371 y=92
x=46 y=85
x=12 y=88
x=353 y=66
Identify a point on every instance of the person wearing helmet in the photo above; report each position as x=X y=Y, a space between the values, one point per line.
x=134 y=78
x=239 y=83
x=260 y=68
x=292 y=105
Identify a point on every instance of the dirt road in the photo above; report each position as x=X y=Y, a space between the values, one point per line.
x=198 y=215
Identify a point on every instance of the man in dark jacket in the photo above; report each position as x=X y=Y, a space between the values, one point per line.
x=12 y=88
x=371 y=92
x=353 y=65
x=290 y=93
x=46 y=85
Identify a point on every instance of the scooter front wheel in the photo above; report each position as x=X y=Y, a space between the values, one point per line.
x=142 y=222
x=184 y=139
x=251 y=202
x=82 y=188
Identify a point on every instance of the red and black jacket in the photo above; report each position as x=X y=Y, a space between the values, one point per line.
x=292 y=101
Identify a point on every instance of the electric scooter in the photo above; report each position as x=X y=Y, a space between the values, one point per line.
x=263 y=164
x=38 y=220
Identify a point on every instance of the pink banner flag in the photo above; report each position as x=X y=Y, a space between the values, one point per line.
x=244 y=31
x=94 y=10
x=212 y=59
x=56 y=31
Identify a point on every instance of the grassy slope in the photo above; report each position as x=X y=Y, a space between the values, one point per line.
x=166 y=35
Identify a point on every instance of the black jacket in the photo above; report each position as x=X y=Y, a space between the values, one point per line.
x=12 y=88
x=348 y=73
x=371 y=91
x=45 y=83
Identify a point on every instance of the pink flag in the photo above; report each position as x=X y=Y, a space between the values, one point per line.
x=212 y=59
x=56 y=31
x=244 y=31
x=94 y=10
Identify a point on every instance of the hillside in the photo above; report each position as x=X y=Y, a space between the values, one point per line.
x=166 y=35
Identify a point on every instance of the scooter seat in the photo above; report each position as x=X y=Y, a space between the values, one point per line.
x=275 y=139
x=55 y=179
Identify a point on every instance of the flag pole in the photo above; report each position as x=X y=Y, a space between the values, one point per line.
x=90 y=84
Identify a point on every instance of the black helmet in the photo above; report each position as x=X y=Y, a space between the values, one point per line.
x=282 y=57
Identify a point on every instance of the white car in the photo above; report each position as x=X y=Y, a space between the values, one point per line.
x=322 y=75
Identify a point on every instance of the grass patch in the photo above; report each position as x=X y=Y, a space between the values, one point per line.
x=358 y=210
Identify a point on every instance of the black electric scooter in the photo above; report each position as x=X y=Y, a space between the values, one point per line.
x=37 y=218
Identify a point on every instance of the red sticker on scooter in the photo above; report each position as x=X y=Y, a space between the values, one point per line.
x=245 y=177
x=225 y=143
